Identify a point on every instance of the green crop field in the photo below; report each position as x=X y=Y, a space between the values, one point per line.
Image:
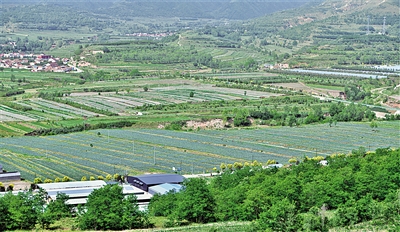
x=102 y=152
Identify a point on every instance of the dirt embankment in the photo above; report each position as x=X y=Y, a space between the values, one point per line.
x=212 y=124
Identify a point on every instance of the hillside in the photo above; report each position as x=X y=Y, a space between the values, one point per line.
x=326 y=34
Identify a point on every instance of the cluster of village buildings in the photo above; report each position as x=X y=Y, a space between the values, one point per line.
x=35 y=62
x=276 y=66
x=154 y=35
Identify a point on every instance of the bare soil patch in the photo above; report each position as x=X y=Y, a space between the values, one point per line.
x=212 y=124
x=18 y=185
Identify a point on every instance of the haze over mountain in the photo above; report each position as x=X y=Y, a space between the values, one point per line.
x=226 y=9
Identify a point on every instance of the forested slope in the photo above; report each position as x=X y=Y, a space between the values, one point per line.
x=353 y=188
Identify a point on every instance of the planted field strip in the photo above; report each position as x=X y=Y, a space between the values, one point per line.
x=199 y=95
x=224 y=91
x=64 y=108
x=92 y=102
x=165 y=95
x=139 y=100
x=10 y=114
x=103 y=152
x=49 y=111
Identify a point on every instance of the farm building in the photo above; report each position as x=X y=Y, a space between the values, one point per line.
x=10 y=176
x=145 y=181
x=78 y=191
x=275 y=166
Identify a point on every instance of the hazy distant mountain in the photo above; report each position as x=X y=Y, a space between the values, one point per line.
x=228 y=9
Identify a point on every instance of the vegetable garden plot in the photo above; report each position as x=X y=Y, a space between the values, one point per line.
x=102 y=152
x=321 y=138
x=10 y=114
x=92 y=102
x=63 y=108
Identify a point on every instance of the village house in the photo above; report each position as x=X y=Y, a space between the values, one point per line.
x=281 y=66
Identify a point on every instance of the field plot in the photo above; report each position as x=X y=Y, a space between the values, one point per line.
x=10 y=114
x=333 y=91
x=102 y=152
x=233 y=93
x=55 y=109
x=165 y=95
x=253 y=75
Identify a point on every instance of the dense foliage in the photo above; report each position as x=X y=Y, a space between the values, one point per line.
x=25 y=210
x=108 y=209
x=358 y=187
x=78 y=128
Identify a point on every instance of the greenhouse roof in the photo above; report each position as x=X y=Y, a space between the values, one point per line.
x=153 y=179
x=72 y=185
x=164 y=188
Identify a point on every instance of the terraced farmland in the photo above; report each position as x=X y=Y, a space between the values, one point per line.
x=148 y=150
x=55 y=109
x=10 y=114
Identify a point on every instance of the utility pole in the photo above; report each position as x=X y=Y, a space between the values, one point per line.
x=383 y=27
x=154 y=154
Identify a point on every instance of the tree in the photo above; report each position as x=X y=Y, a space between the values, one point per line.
x=222 y=167
x=107 y=209
x=55 y=210
x=373 y=125
x=106 y=50
x=163 y=205
x=146 y=88
x=195 y=202
x=238 y=165
x=23 y=210
x=65 y=179
x=241 y=118
x=290 y=120
x=59 y=208
x=281 y=216
x=191 y=94
x=83 y=178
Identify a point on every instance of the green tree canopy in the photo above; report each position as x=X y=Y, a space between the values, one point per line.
x=107 y=209
x=195 y=202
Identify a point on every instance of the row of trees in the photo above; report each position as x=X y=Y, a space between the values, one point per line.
x=109 y=177
x=293 y=116
x=358 y=187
